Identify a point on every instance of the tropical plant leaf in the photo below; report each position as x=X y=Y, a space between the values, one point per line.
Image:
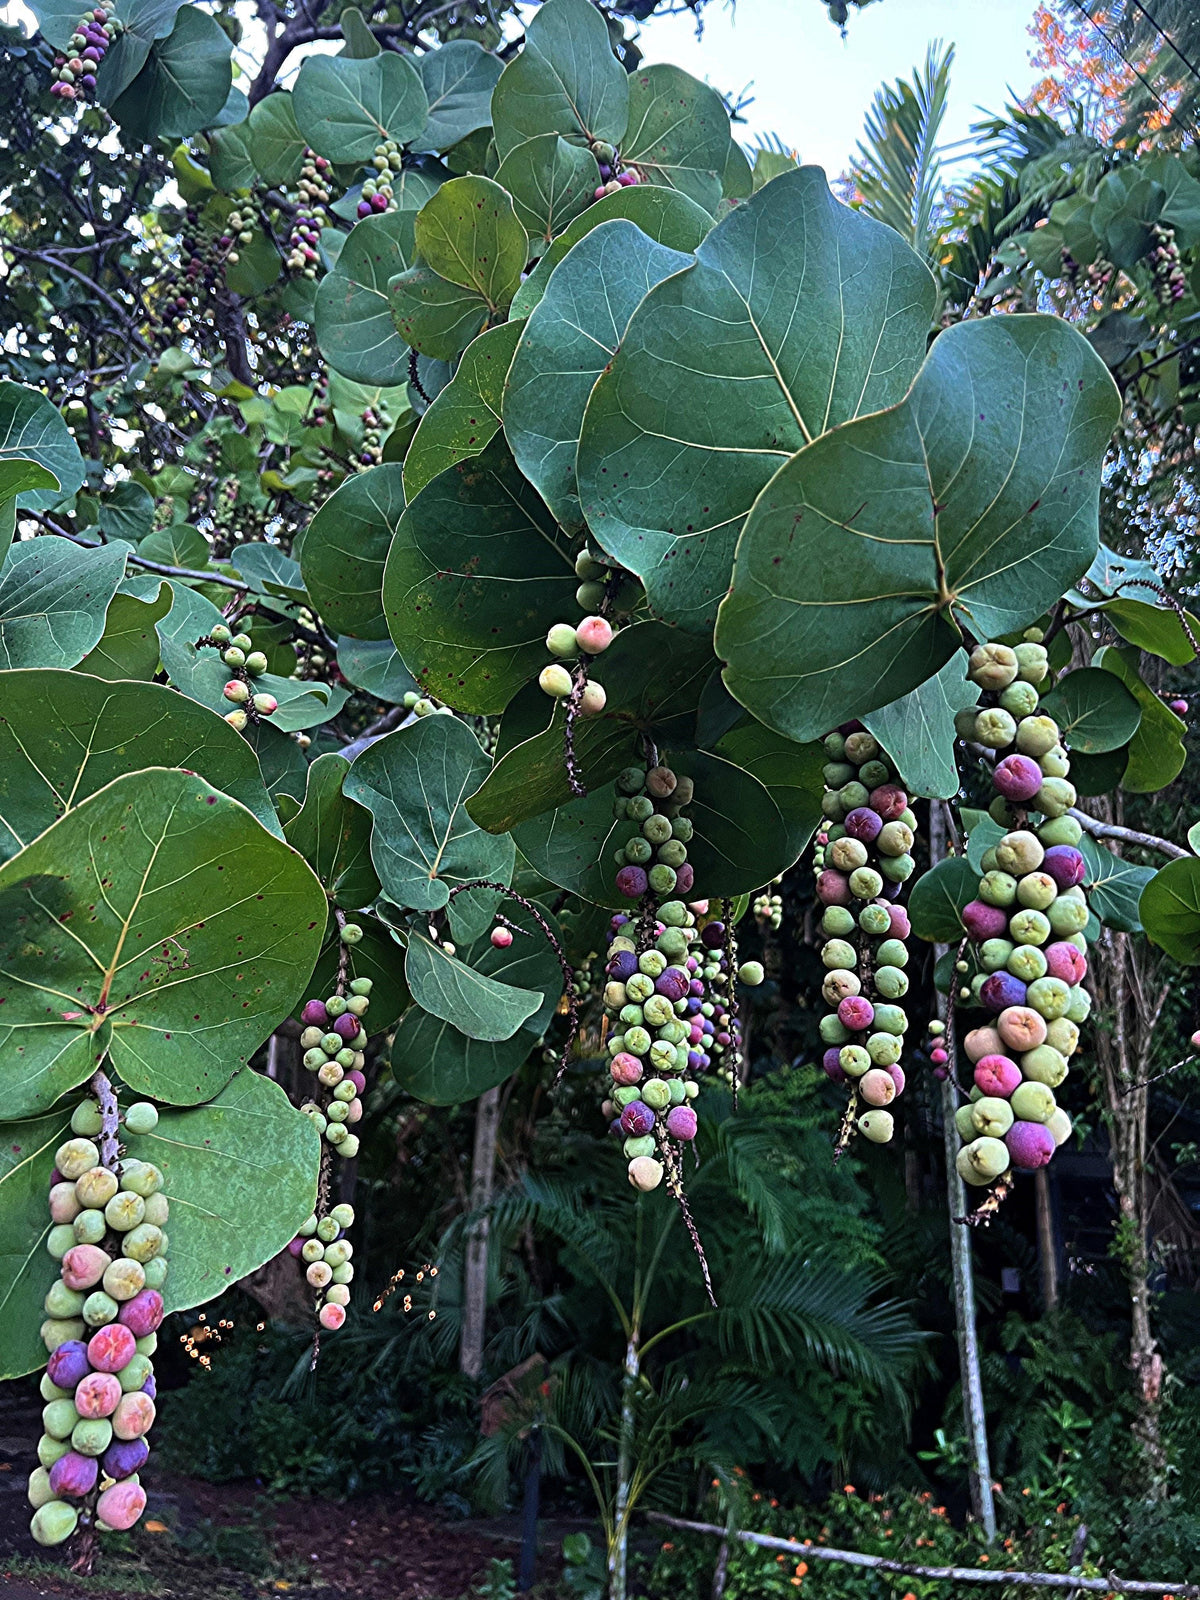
x=898 y=171
x=470 y=1001
x=333 y=834
x=551 y=181
x=345 y=106
x=1156 y=751
x=973 y=502
x=156 y=910
x=465 y=416
x=566 y=80
x=353 y=315
x=938 y=897
x=414 y=783
x=128 y=647
x=797 y=315
x=273 y=139
x=32 y=430
x=53 y=600
x=468 y=233
x=345 y=548
x=182 y=86
x=375 y=667
x=1094 y=710
x=26 y=1162
x=458 y=77
x=1169 y=910
x=65 y=735
x=678 y=134
x=917 y=731
x=1114 y=886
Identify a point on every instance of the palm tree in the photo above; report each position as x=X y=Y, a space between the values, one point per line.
x=897 y=174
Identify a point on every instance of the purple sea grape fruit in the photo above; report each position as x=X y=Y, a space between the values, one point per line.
x=685 y=877
x=984 y=922
x=1002 y=990
x=1017 y=778
x=889 y=801
x=125 y=1456
x=856 y=1013
x=681 y=1122
x=72 y=1476
x=637 y=1119
x=314 y=1014
x=897 y=1075
x=863 y=824
x=346 y=1026
x=1030 y=1145
x=996 y=1076
x=831 y=1065
x=142 y=1314
x=672 y=983
x=626 y=1069
x=150 y=1387
x=712 y=935
x=1066 y=961
x=1065 y=865
x=632 y=882
x=69 y=1365
x=622 y=966
x=833 y=888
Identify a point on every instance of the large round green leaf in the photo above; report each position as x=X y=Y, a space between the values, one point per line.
x=459 y=77
x=1094 y=710
x=797 y=315
x=665 y=216
x=1114 y=886
x=571 y=336
x=433 y=315
x=157 y=920
x=64 y=735
x=353 y=314
x=1169 y=910
x=792 y=776
x=1156 y=751
x=344 y=106
x=32 y=430
x=375 y=667
x=530 y=777
x=53 y=600
x=437 y=1063
x=466 y=414
x=477 y=1005
x=241 y=1177
x=345 y=548
x=477 y=573
x=566 y=80
x=468 y=233
x=334 y=835
x=917 y=731
x=574 y=845
x=552 y=181
x=939 y=897
x=678 y=133
x=273 y=140
x=128 y=647
x=414 y=783
x=182 y=86
x=973 y=502
x=740 y=839
x=26 y=1270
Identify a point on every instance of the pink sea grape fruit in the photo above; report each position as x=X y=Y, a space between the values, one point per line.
x=68 y=1365
x=681 y=1122
x=97 y=1395
x=1066 y=961
x=997 y=1076
x=984 y=922
x=889 y=801
x=1065 y=865
x=72 y=1476
x=84 y=1265
x=833 y=888
x=134 y=1415
x=856 y=1013
x=501 y=938
x=331 y=1316
x=901 y=927
x=1030 y=1144
x=1021 y=1028
x=124 y=1457
x=626 y=1069
x=1017 y=778
x=142 y=1314
x=877 y=1087
x=897 y=1076
x=982 y=1042
x=112 y=1347
x=121 y=1506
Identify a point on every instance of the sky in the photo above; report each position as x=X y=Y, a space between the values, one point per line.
x=813 y=88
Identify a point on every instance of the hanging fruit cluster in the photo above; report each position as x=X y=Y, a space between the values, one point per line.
x=239 y=229
x=613 y=174
x=1025 y=925
x=1170 y=283
x=375 y=421
x=246 y=664
x=312 y=190
x=863 y=860
x=102 y=1315
x=377 y=193
x=333 y=1042
x=667 y=1000
x=768 y=907
x=325 y=1251
x=75 y=72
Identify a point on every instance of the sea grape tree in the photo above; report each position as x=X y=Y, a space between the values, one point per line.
x=509 y=500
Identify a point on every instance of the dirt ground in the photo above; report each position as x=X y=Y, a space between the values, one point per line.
x=200 y=1541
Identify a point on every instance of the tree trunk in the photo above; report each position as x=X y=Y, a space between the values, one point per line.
x=475 y=1268
x=979 y=1467
x=1047 y=1249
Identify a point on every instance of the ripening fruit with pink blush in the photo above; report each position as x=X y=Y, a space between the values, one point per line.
x=833 y=888
x=984 y=922
x=111 y=1348
x=502 y=938
x=358 y=1079
x=681 y=1122
x=982 y=1042
x=1030 y=1144
x=1021 y=1028
x=896 y=1072
x=901 y=927
x=593 y=635
x=1066 y=961
x=134 y=1416
x=997 y=1076
x=877 y=1087
x=1017 y=778
x=84 y=1265
x=626 y=1069
x=143 y=1313
x=97 y=1395
x=856 y=1013
x=121 y=1506
x=331 y=1316
x=890 y=801
x=1065 y=865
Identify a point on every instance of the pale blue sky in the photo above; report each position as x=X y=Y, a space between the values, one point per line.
x=813 y=88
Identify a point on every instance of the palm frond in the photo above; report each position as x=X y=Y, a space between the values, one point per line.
x=897 y=172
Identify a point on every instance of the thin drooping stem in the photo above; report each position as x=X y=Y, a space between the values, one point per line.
x=979 y=1470
x=910 y=1569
